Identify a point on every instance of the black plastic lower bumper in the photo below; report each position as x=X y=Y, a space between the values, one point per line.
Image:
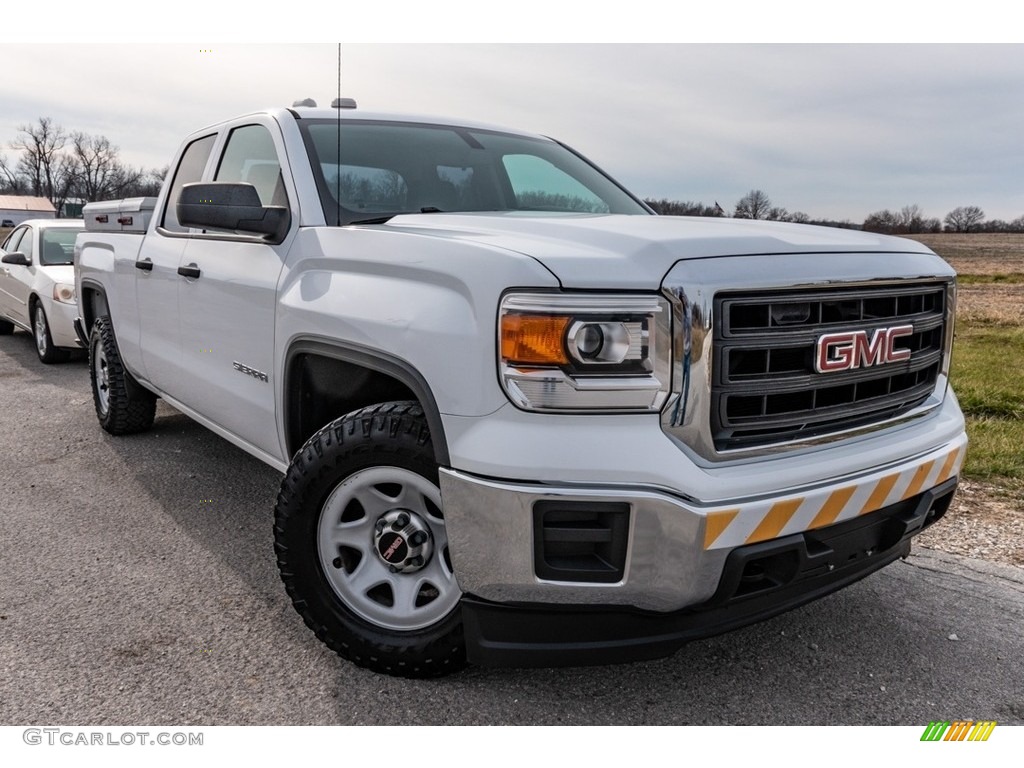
x=758 y=581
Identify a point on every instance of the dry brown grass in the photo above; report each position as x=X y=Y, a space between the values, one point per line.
x=991 y=304
x=978 y=253
x=991 y=270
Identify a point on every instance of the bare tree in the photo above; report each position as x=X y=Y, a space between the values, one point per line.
x=149 y=183
x=60 y=166
x=62 y=183
x=128 y=181
x=754 y=205
x=886 y=222
x=98 y=166
x=965 y=218
x=666 y=207
x=10 y=182
x=44 y=169
x=911 y=220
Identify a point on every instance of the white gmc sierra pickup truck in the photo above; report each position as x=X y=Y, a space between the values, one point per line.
x=522 y=420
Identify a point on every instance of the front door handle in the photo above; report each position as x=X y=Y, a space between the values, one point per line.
x=190 y=271
x=146 y=265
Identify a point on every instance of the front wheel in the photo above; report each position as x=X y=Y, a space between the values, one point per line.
x=362 y=546
x=44 y=340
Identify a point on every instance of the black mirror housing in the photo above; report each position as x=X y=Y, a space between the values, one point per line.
x=232 y=207
x=16 y=257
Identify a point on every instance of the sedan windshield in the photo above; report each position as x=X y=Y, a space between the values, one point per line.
x=388 y=168
x=58 y=247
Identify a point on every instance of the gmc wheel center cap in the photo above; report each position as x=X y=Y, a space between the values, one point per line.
x=403 y=541
x=393 y=548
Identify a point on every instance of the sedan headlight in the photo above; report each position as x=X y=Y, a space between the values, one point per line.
x=564 y=352
x=64 y=293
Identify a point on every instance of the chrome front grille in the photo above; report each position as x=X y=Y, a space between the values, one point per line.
x=765 y=386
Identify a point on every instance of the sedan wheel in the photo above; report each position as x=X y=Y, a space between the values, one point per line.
x=44 y=341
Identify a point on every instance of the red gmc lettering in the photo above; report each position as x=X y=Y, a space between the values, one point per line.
x=847 y=351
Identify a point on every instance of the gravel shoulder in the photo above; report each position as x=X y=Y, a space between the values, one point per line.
x=983 y=522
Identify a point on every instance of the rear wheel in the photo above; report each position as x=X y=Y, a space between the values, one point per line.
x=123 y=406
x=6 y=328
x=44 y=340
x=362 y=546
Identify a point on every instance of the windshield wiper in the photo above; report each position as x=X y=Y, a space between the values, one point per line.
x=374 y=220
x=385 y=218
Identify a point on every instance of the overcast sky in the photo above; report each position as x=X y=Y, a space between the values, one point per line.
x=835 y=131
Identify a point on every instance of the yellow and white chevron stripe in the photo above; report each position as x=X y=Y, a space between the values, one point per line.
x=726 y=528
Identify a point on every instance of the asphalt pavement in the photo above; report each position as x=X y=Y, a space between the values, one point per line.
x=138 y=586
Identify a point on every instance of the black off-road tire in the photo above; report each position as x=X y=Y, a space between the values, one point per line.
x=43 y=339
x=388 y=447
x=123 y=406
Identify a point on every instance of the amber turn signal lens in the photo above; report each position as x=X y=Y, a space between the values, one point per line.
x=534 y=339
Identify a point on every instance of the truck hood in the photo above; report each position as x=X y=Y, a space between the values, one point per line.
x=635 y=252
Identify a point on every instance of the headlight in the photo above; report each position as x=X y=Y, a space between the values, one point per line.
x=64 y=293
x=584 y=353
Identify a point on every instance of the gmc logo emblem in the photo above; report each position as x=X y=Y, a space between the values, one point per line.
x=846 y=351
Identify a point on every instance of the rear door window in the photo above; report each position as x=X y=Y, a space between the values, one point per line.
x=189 y=170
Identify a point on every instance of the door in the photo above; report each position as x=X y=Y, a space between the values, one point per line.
x=15 y=280
x=227 y=298
x=151 y=330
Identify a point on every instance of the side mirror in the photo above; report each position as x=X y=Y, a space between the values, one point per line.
x=232 y=207
x=17 y=257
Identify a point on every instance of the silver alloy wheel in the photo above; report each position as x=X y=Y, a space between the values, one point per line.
x=39 y=328
x=101 y=375
x=348 y=536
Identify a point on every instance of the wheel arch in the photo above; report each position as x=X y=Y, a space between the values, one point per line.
x=359 y=376
x=33 y=300
x=92 y=304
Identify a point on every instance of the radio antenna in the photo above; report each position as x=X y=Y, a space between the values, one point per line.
x=337 y=182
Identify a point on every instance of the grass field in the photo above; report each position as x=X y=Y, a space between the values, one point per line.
x=988 y=356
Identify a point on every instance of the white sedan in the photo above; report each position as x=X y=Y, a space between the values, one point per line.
x=37 y=285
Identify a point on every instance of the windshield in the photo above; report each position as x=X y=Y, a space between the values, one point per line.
x=58 y=246
x=388 y=168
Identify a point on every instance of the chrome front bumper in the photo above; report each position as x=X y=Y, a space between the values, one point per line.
x=676 y=549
